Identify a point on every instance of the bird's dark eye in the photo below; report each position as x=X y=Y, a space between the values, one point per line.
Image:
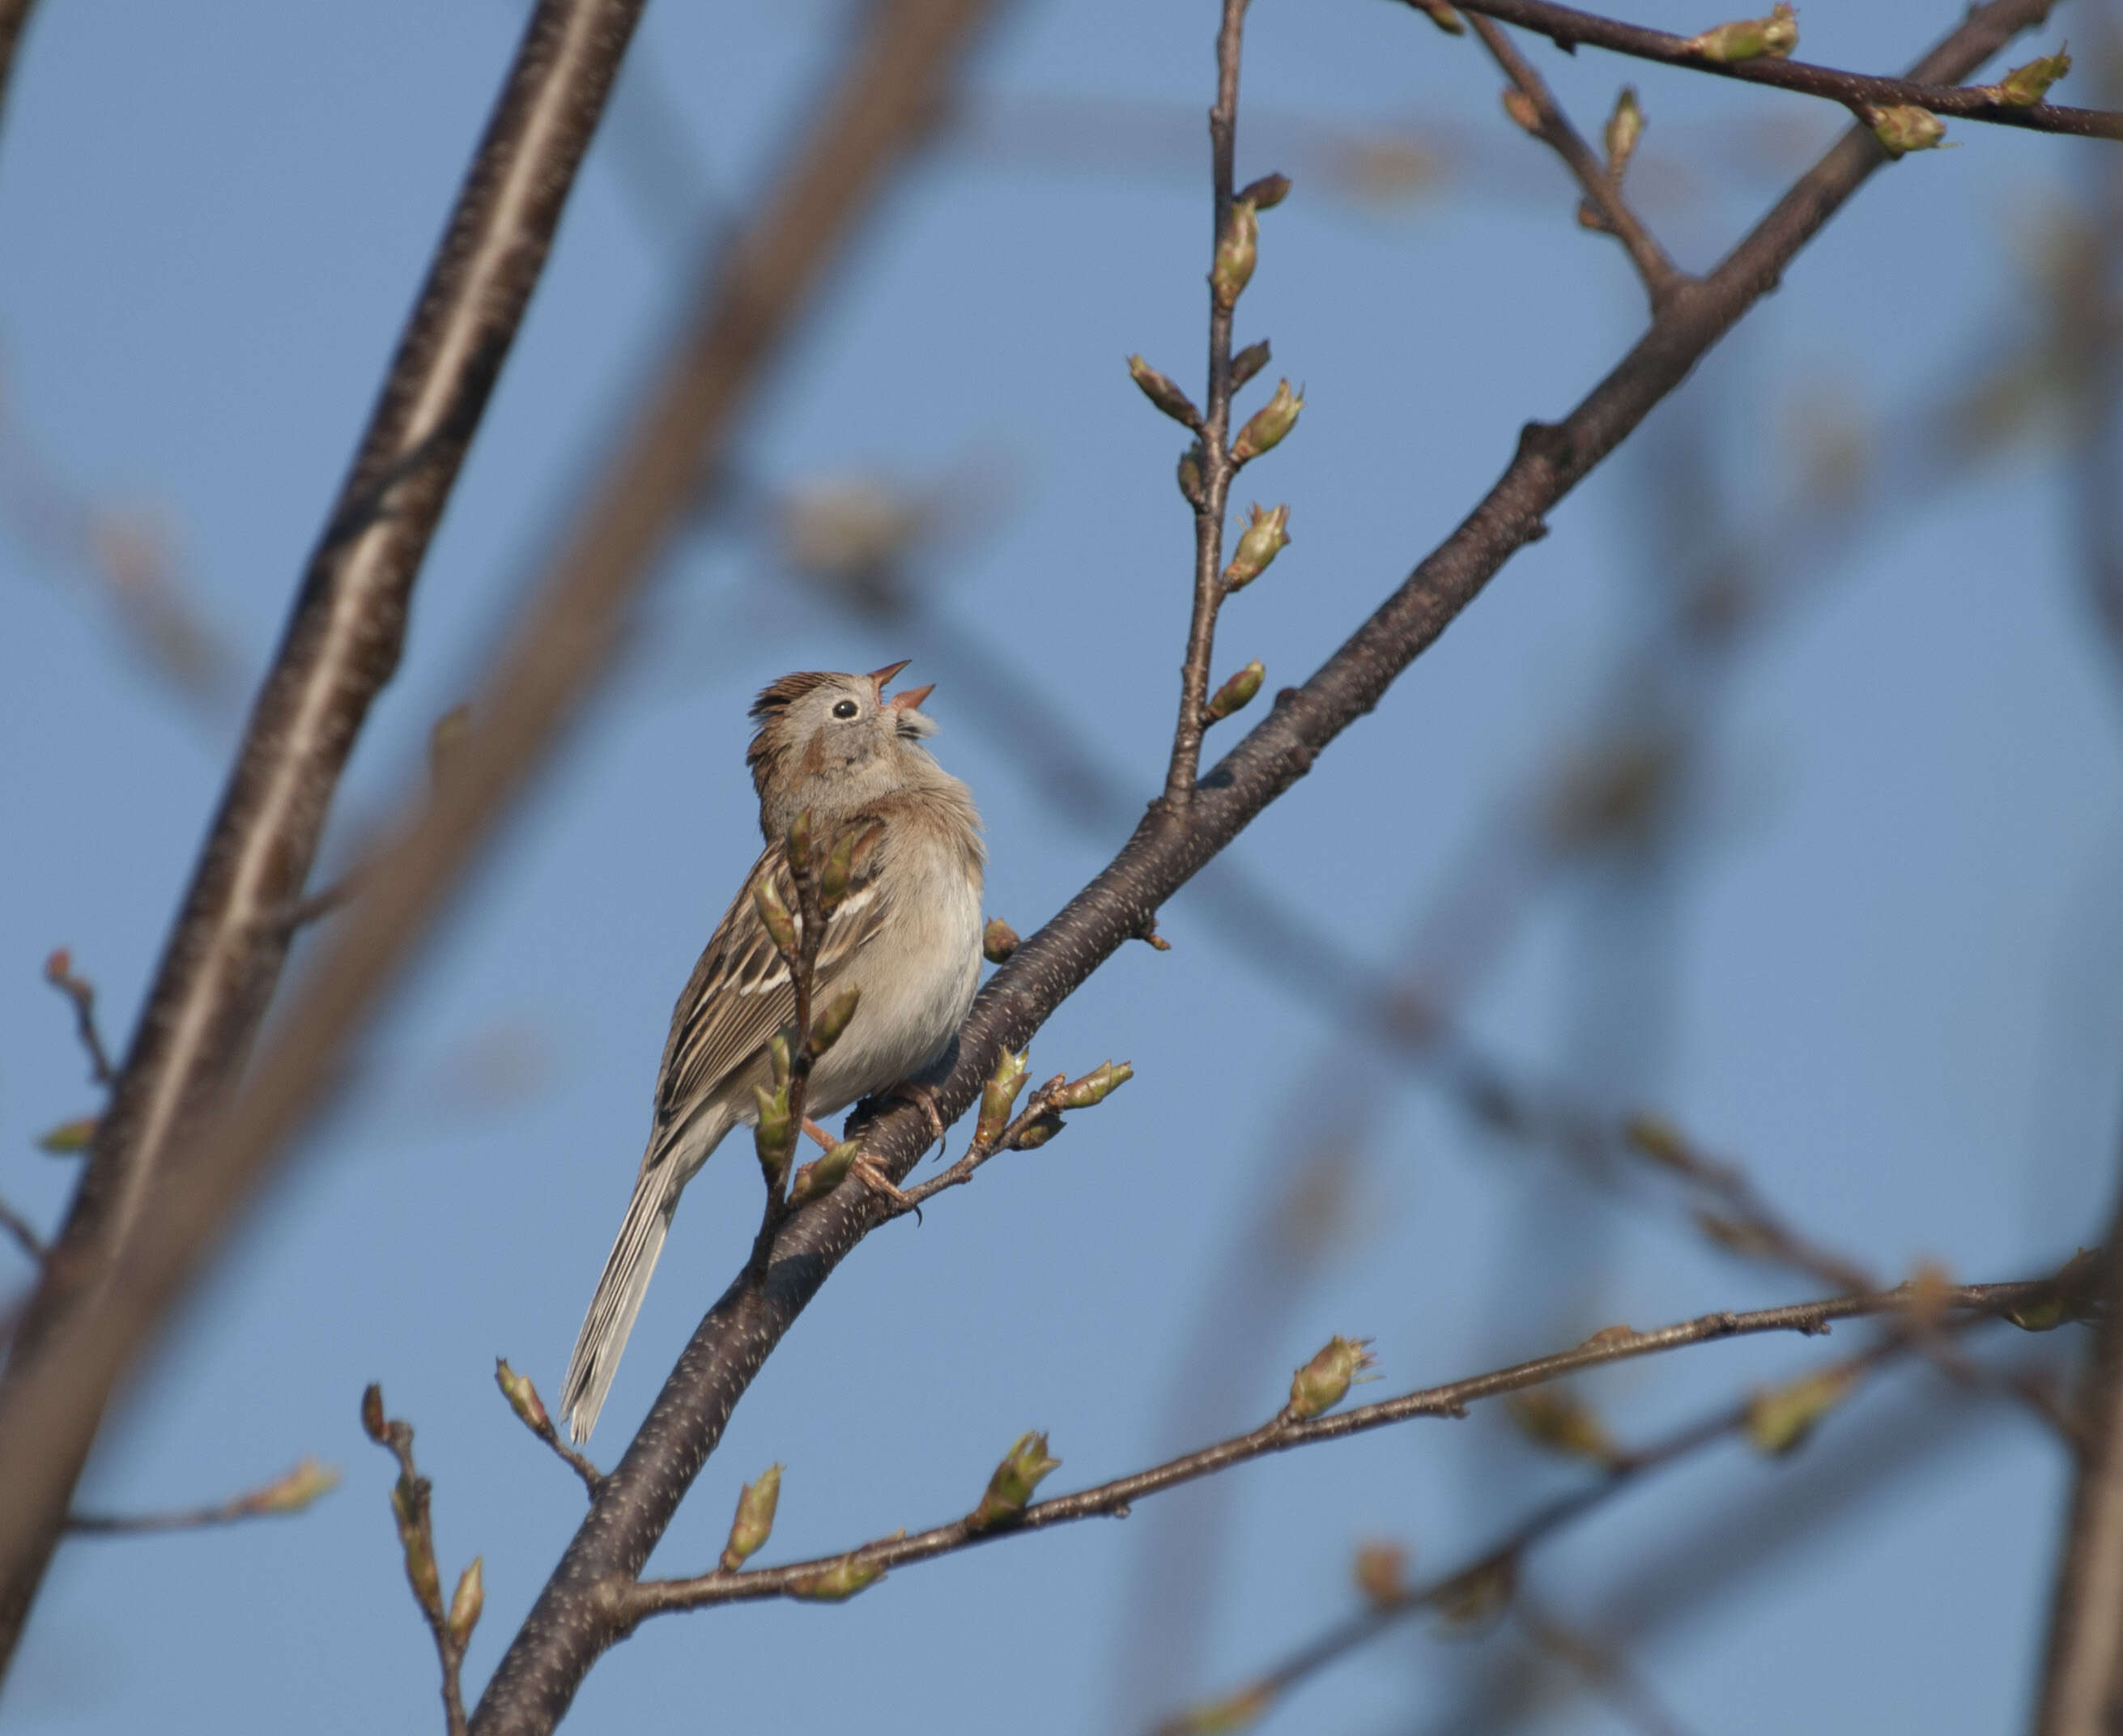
x=845 y=708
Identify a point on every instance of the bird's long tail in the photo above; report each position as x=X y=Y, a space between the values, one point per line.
x=627 y=1270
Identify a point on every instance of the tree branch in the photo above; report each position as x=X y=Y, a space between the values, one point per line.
x=1602 y=185
x=224 y=956
x=14 y=15
x=81 y=992
x=289 y=1494
x=573 y=1622
x=662 y=1597
x=1927 y=88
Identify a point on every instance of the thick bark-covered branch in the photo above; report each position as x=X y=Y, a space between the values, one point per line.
x=577 y=1617
x=1924 y=88
x=340 y=646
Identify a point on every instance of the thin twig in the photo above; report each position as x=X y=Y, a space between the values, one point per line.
x=411 y=1508
x=1485 y=1584
x=1604 y=1670
x=1603 y=189
x=25 y=1233
x=1216 y=467
x=290 y=1493
x=661 y=1596
x=59 y=972
x=531 y=1411
x=1567 y=26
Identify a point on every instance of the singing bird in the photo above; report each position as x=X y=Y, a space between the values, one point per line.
x=907 y=935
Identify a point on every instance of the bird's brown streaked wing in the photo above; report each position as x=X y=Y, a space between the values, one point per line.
x=739 y=994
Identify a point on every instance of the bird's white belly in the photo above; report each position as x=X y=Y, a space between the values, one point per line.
x=909 y=1011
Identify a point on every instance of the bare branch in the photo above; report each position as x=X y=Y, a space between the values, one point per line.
x=289 y=1494
x=411 y=1507
x=14 y=14
x=224 y=956
x=662 y=1597
x=58 y=972
x=1603 y=188
x=1567 y=26
x=25 y=1233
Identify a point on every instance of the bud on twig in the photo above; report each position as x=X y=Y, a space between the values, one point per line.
x=1010 y=1488
x=841 y=866
x=1035 y=1133
x=371 y=1415
x=998 y=940
x=522 y=1396
x=999 y=1096
x=773 y=1136
x=1096 y=1087
x=466 y=1602
x=1443 y=17
x=799 y=844
x=1190 y=474
x=1380 y=1571
x=1554 y=1419
x=1237 y=248
x=1267 y=534
x=1749 y=39
x=1323 y=1382
x=1269 y=423
x=754 y=1522
x=837 y=1583
x=1240 y=1710
x=778 y=1057
x=68 y=1137
x=1780 y=1418
x=408 y=1507
x=1237 y=693
x=823 y=1175
x=1267 y=193
x=1903 y=128
x=1249 y=362
x=310 y=1480
x=445 y=738
x=1522 y=109
x=2025 y=86
x=780 y=926
x=826 y=1027
x=1625 y=128
x=1160 y=390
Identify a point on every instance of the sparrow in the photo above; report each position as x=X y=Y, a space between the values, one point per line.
x=907 y=935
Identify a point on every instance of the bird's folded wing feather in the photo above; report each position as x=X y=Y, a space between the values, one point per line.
x=740 y=993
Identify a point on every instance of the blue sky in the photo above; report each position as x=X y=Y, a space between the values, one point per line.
x=1877 y=966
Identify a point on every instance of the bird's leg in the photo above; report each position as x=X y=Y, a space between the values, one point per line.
x=874 y=1177
x=907 y=1092
x=827 y=1141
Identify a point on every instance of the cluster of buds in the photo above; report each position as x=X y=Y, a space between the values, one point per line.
x=410 y=1510
x=1903 y=127
x=1236 y=693
x=2027 y=86
x=1750 y=39
x=1267 y=426
x=1324 y=1381
x=1010 y=1489
x=754 y=1522
x=1780 y=1418
x=1267 y=534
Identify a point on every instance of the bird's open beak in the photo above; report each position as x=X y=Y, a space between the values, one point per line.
x=911 y=699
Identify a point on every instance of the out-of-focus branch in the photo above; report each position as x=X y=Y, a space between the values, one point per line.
x=1568 y=27
x=284 y=1495
x=1603 y=1669
x=1601 y=182
x=14 y=14
x=1286 y=1431
x=224 y=956
x=2082 y=1692
x=1486 y=1585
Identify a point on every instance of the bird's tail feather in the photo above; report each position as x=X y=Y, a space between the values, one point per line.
x=627 y=1270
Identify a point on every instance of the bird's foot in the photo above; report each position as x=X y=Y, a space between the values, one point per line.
x=827 y=1141
x=907 y=1092
x=872 y=1176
